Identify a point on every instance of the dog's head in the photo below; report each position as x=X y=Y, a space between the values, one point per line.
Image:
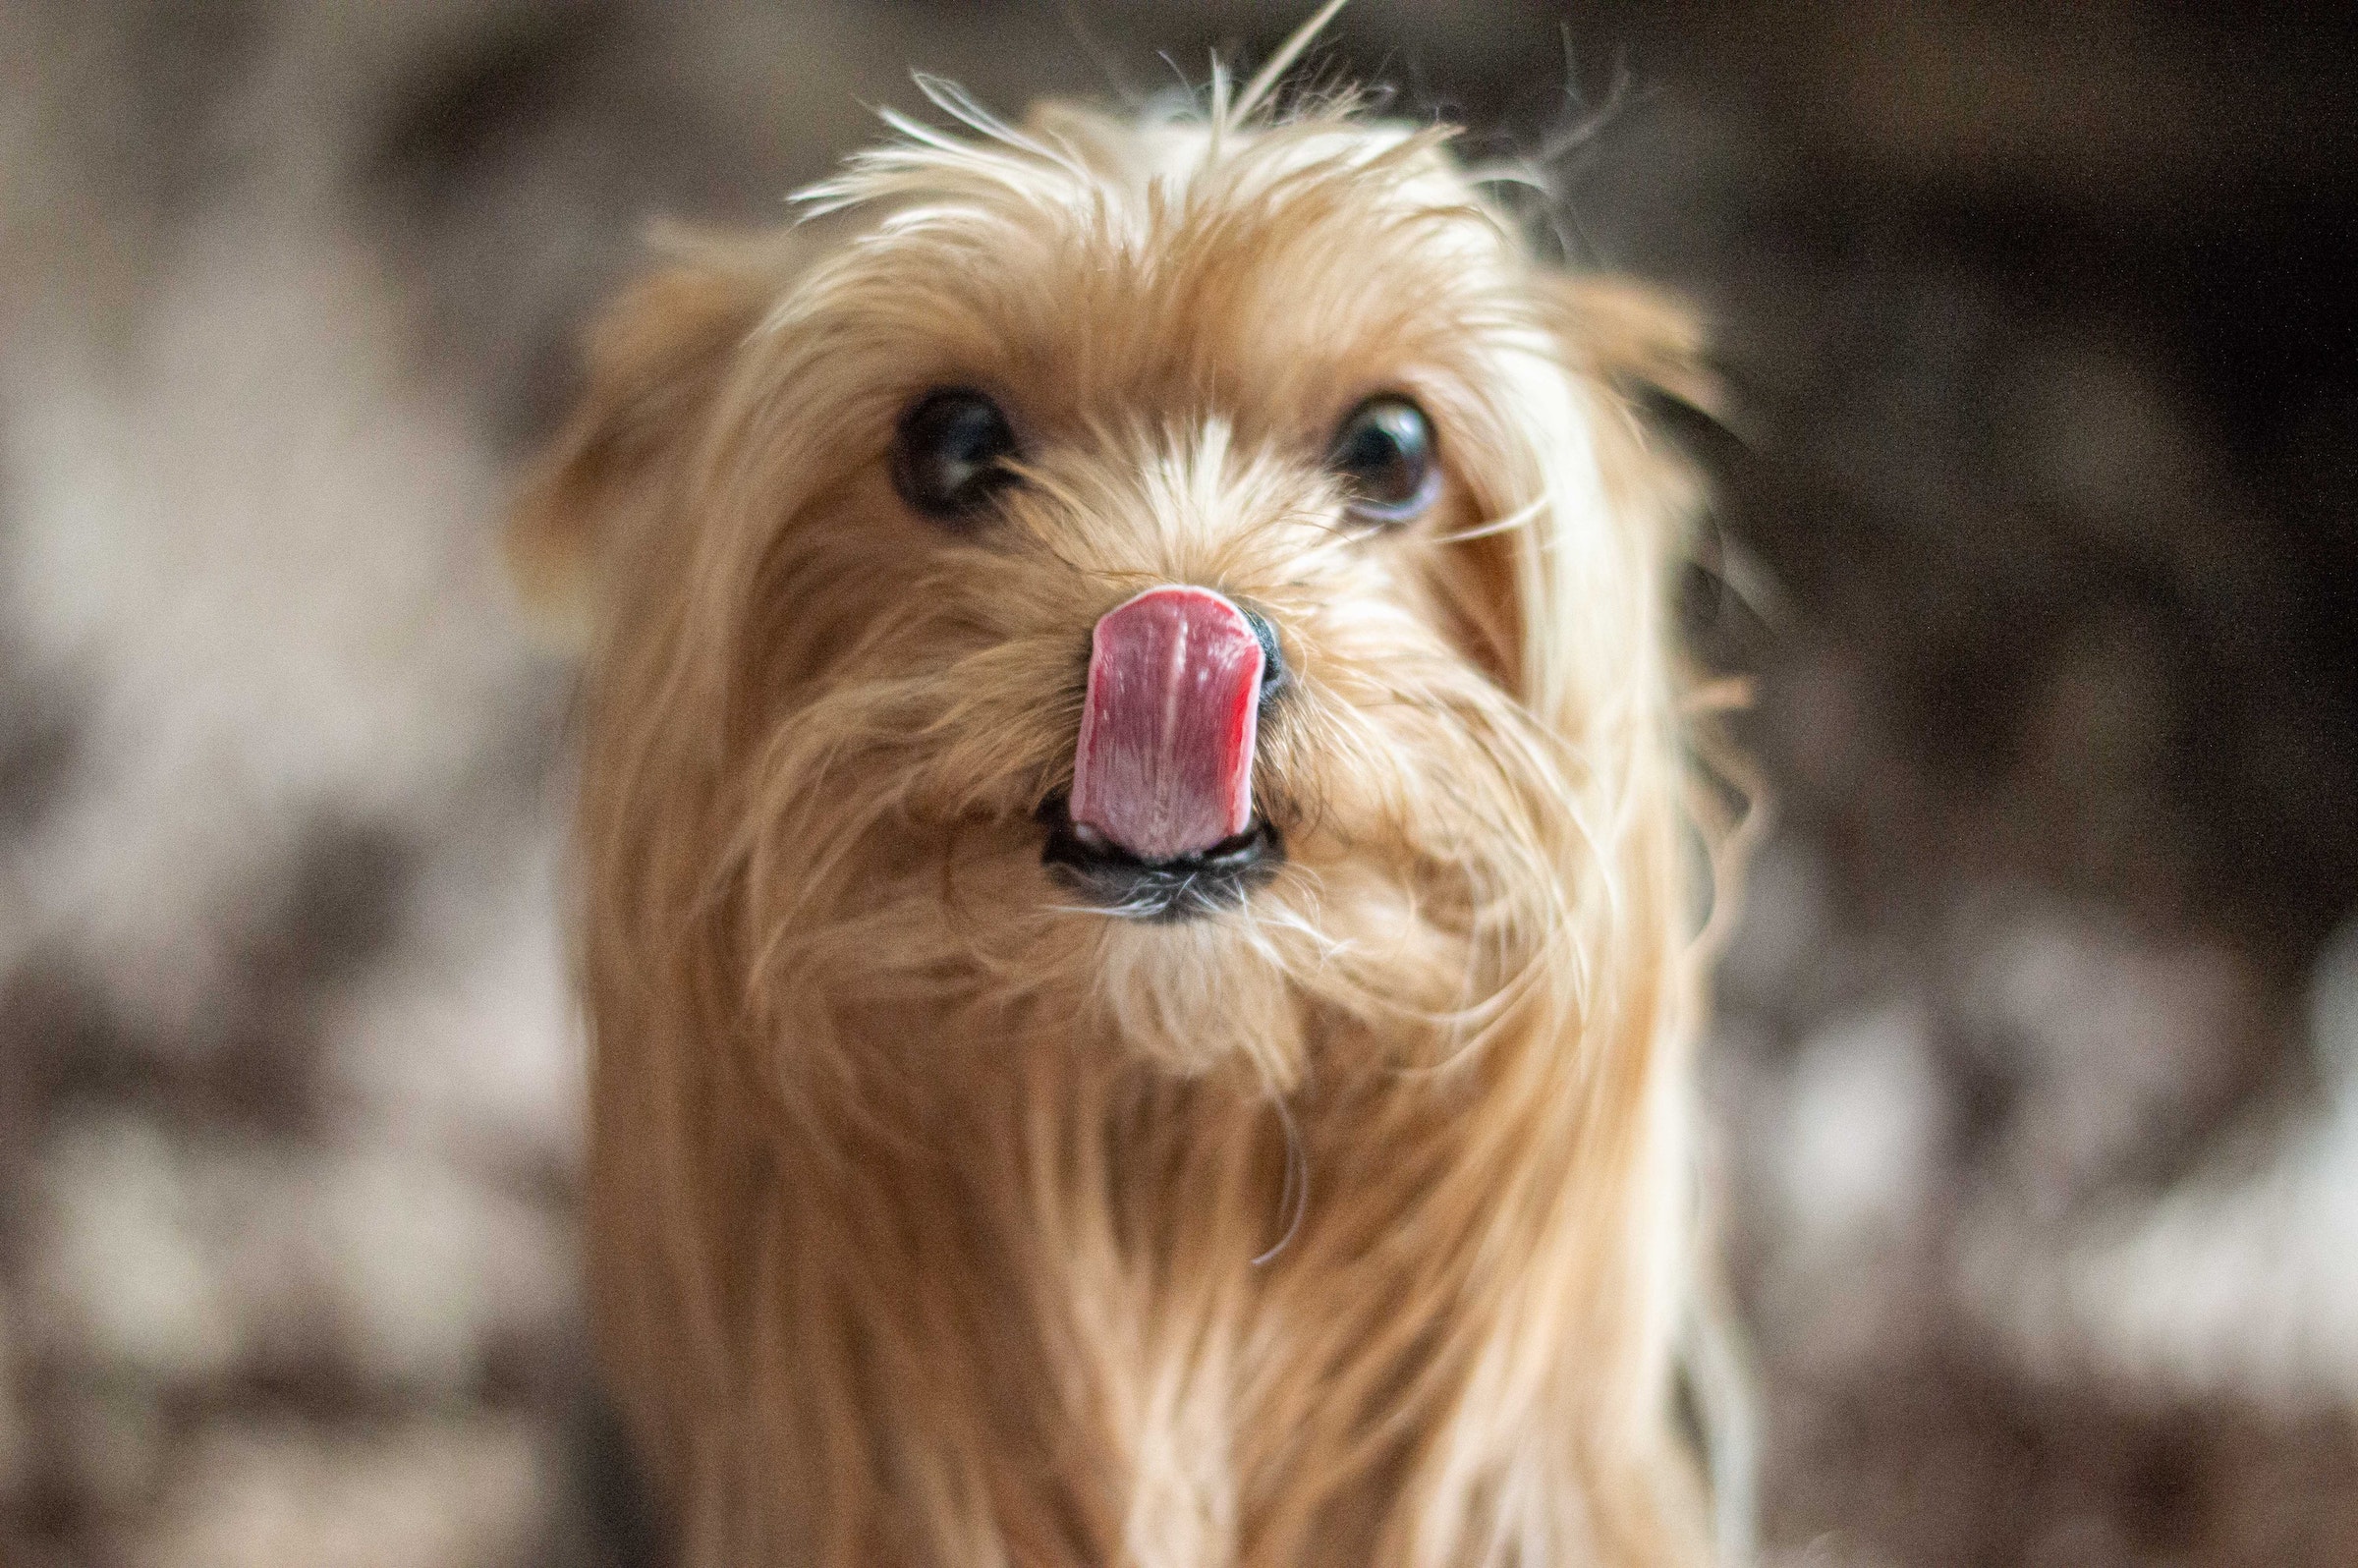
x=1201 y=580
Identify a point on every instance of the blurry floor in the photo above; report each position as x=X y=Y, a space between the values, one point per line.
x=2036 y=1079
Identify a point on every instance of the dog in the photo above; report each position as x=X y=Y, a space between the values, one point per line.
x=1140 y=918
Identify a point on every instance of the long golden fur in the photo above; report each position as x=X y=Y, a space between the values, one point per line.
x=937 y=1220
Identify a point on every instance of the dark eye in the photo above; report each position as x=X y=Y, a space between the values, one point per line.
x=949 y=455
x=1384 y=449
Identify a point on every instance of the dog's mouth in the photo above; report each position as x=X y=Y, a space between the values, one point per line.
x=1120 y=884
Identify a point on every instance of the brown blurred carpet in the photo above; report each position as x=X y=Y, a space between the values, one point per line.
x=2035 y=1087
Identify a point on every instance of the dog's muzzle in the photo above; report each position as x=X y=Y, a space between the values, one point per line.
x=1160 y=821
x=1119 y=882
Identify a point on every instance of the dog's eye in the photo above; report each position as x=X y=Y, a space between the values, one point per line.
x=1384 y=448
x=949 y=455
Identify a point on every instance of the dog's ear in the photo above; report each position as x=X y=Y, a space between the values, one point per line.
x=1646 y=353
x=1638 y=339
x=1524 y=598
x=654 y=358
x=1628 y=347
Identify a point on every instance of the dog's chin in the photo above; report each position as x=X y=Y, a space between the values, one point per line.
x=1106 y=876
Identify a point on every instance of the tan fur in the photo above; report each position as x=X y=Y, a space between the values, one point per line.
x=936 y=1220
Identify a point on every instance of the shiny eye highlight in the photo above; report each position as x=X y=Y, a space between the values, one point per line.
x=1384 y=449
x=949 y=454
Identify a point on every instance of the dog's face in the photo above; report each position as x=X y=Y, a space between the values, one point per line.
x=1162 y=579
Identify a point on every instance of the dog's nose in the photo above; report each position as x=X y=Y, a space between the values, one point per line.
x=1164 y=768
x=1272 y=657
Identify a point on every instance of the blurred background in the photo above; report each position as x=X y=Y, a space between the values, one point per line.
x=2034 y=1086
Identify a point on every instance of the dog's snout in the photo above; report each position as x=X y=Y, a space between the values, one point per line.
x=1164 y=768
x=1160 y=821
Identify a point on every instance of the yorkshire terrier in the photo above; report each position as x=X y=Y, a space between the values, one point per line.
x=1138 y=877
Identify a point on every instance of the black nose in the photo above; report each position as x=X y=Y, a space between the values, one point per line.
x=1272 y=657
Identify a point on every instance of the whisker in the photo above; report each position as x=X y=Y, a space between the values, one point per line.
x=1521 y=517
x=1297 y=1181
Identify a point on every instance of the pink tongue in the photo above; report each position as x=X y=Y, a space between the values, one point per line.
x=1165 y=767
